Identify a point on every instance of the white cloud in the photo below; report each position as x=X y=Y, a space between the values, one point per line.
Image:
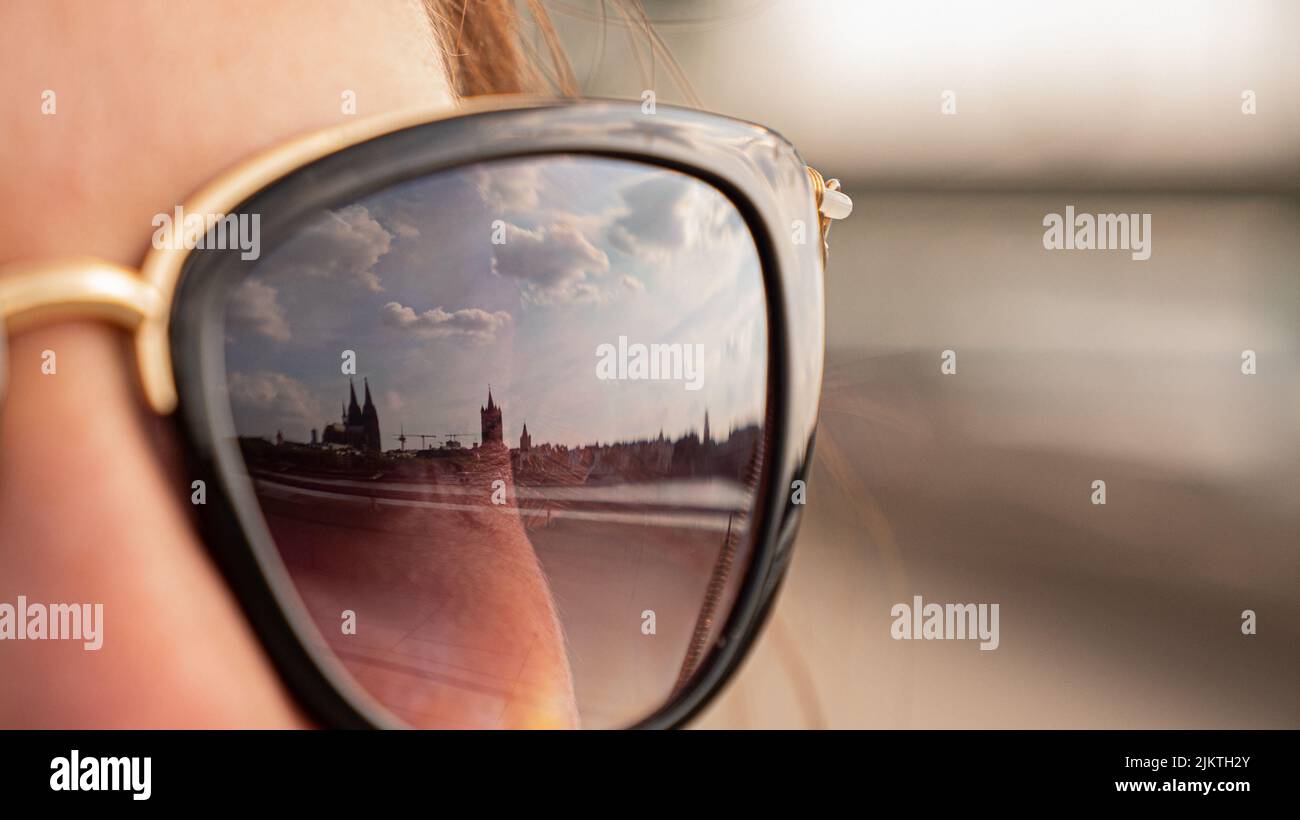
x=509 y=187
x=345 y=244
x=554 y=264
x=666 y=213
x=255 y=305
x=473 y=324
x=276 y=398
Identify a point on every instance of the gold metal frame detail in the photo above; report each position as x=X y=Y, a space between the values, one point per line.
x=140 y=300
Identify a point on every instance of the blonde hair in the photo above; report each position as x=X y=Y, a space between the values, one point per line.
x=490 y=48
x=485 y=52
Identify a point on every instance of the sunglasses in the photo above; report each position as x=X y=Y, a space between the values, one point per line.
x=498 y=419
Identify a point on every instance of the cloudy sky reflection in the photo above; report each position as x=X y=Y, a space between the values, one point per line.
x=586 y=250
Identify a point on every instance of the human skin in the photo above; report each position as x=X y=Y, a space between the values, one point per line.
x=153 y=99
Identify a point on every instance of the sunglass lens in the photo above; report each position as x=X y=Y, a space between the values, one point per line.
x=505 y=424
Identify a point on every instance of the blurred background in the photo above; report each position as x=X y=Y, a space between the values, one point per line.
x=956 y=127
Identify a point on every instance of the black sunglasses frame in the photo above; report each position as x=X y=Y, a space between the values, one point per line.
x=759 y=171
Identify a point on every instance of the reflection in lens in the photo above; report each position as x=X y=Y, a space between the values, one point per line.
x=505 y=427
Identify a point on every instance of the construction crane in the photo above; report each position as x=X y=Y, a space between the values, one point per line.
x=455 y=436
x=424 y=437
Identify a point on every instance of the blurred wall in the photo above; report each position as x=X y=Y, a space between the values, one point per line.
x=1073 y=366
x=976 y=487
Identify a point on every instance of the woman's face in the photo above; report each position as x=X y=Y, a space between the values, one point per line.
x=151 y=101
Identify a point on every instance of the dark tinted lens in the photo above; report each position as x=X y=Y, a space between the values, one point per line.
x=505 y=424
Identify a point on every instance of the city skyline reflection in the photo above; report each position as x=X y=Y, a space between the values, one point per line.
x=569 y=556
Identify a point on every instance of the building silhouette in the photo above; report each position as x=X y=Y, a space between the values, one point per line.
x=490 y=423
x=359 y=427
x=353 y=443
x=370 y=421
